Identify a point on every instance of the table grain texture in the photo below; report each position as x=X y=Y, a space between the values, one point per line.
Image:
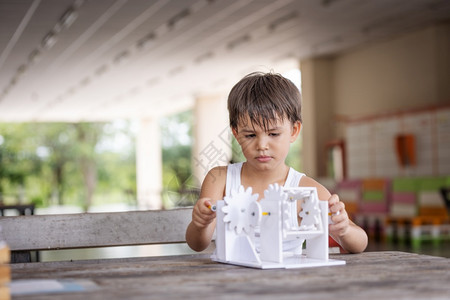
x=369 y=275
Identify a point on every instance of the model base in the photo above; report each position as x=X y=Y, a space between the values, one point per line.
x=291 y=262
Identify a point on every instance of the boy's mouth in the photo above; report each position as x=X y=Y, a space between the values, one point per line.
x=263 y=158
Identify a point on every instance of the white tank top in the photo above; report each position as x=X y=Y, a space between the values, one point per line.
x=234 y=178
x=292 y=180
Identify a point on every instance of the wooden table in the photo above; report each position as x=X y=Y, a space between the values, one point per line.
x=370 y=275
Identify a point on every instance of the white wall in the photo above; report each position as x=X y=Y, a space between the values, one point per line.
x=406 y=72
x=392 y=75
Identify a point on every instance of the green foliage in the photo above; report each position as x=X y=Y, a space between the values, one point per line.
x=179 y=185
x=17 y=158
x=236 y=154
x=294 y=157
x=65 y=163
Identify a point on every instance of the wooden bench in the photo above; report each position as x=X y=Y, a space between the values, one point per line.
x=22 y=209
x=87 y=230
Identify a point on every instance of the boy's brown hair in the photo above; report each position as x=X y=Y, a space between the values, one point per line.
x=265 y=98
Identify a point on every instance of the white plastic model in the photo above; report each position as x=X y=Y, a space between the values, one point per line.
x=252 y=233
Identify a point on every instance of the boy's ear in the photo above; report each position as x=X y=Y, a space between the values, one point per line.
x=234 y=131
x=295 y=131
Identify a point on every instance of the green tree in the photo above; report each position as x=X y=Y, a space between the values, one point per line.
x=87 y=137
x=56 y=142
x=116 y=163
x=178 y=182
x=17 y=159
x=60 y=161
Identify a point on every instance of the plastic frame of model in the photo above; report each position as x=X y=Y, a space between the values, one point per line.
x=240 y=216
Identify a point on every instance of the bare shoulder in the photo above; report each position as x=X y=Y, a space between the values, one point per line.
x=214 y=183
x=216 y=175
x=322 y=192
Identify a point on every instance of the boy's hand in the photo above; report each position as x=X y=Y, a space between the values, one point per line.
x=202 y=215
x=339 y=216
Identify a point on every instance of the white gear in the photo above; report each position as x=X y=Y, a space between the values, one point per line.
x=310 y=215
x=238 y=210
x=275 y=193
x=286 y=211
x=290 y=221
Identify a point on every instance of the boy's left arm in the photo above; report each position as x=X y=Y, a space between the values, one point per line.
x=350 y=236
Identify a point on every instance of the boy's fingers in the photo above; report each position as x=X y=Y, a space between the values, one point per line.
x=333 y=199
x=210 y=206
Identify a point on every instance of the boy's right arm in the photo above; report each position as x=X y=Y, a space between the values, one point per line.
x=200 y=231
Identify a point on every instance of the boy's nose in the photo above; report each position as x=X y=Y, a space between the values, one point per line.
x=262 y=144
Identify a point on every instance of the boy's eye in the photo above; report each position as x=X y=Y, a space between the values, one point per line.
x=274 y=134
x=250 y=135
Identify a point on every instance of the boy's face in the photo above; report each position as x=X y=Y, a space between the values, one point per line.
x=266 y=149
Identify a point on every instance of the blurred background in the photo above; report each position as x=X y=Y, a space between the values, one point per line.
x=121 y=105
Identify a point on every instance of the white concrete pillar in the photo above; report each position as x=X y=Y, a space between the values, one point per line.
x=317 y=113
x=149 y=165
x=212 y=136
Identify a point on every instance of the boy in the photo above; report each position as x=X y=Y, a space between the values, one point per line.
x=265 y=118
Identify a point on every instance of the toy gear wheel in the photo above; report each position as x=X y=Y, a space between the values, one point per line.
x=238 y=210
x=295 y=194
x=288 y=218
x=310 y=215
x=275 y=193
x=290 y=221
